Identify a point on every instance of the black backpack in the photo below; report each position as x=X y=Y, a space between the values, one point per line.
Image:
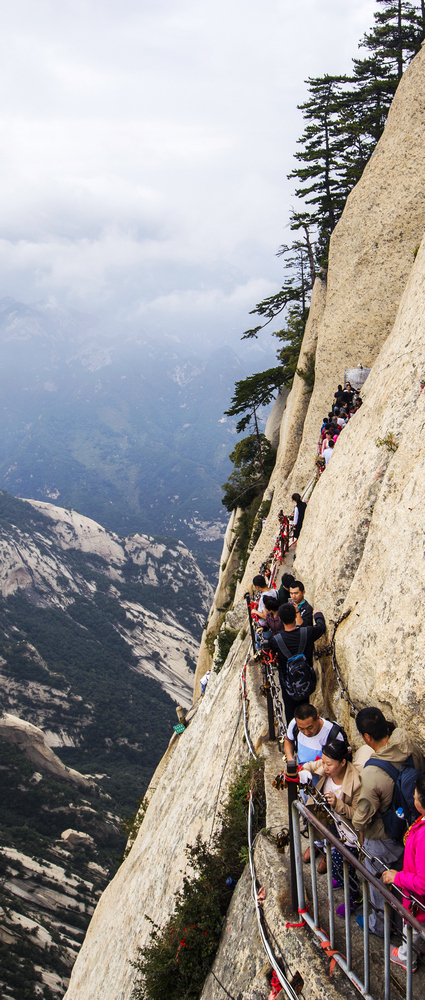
x=300 y=679
x=402 y=812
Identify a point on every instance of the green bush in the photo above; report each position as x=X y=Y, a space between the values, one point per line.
x=174 y=965
x=225 y=640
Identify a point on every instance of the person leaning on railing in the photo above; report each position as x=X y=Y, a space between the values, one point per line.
x=395 y=746
x=412 y=878
x=339 y=783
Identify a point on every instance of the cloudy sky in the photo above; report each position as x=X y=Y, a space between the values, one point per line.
x=145 y=148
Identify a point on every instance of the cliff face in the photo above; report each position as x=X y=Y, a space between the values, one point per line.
x=361 y=545
x=371 y=256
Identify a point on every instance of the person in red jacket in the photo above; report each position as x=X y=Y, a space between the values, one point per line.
x=412 y=878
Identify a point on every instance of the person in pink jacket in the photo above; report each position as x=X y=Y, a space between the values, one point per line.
x=412 y=878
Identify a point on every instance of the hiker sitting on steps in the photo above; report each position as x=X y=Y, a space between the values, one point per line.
x=269 y=618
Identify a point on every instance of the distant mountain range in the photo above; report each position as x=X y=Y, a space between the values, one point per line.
x=128 y=431
x=98 y=643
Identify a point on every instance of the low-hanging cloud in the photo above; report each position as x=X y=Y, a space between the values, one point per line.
x=146 y=147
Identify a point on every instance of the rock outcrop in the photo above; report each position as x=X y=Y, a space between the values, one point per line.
x=361 y=548
x=32 y=741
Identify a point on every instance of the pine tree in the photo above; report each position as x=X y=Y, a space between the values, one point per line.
x=250 y=394
x=249 y=477
x=321 y=175
x=299 y=261
x=397 y=33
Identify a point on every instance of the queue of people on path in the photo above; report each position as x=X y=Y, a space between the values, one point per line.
x=360 y=788
x=346 y=403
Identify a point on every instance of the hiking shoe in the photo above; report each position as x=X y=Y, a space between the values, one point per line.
x=336 y=884
x=360 y=922
x=354 y=903
x=323 y=865
x=400 y=961
x=306 y=855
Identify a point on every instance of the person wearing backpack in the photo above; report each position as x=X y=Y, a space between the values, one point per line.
x=294 y=647
x=412 y=878
x=392 y=746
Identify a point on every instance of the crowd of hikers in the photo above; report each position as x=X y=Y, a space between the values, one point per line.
x=374 y=794
x=347 y=401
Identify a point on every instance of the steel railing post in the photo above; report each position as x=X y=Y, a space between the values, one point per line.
x=292 y=773
x=247 y=598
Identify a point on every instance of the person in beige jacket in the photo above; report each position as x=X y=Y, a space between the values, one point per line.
x=394 y=745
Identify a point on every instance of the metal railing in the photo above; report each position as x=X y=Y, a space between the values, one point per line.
x=328 y=940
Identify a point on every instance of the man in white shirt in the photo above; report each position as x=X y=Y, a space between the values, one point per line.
x=261 y=585
x=328 y=452
x=311 y=735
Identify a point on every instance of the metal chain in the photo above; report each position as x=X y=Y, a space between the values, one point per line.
x=268 y=667
x=335 y=666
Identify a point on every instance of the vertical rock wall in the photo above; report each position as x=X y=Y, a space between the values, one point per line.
x=371 y=256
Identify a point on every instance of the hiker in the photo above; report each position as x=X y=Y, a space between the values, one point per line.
x=394 y=746
x=304 y=610
x=412 y=878
x=204 y=681
x=338 y=396
x=269 y=618
x=261 y=585
x=339 y=782
x=299 y=512
x=328 y=452
x=286 y=583
x=289 y=643
x=307 y=734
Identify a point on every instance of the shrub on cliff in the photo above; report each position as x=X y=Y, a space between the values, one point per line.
x=175 y=963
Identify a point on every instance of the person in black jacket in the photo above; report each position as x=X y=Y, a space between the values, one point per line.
x=291 y=637
x=300 y=509
x=304 y=610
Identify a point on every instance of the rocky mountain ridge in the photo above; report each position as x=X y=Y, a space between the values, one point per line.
x=98 y=644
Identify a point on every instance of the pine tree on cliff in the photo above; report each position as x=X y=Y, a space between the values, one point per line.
x=250 y=394
x=397 y=34
x=300 y=262
x=322 y=182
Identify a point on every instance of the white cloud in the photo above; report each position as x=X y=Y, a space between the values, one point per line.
x=146 y=145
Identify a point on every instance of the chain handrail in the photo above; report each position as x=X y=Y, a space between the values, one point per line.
x=268 y=663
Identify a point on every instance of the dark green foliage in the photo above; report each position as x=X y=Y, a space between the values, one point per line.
x=308 y=373
x=225 y=640
x=175 y=963
x=250 y=477
x=262 y=512
x=253 y=392
x=397 y=33
x=321 y=181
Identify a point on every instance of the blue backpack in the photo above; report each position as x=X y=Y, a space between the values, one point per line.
x=402 y=812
